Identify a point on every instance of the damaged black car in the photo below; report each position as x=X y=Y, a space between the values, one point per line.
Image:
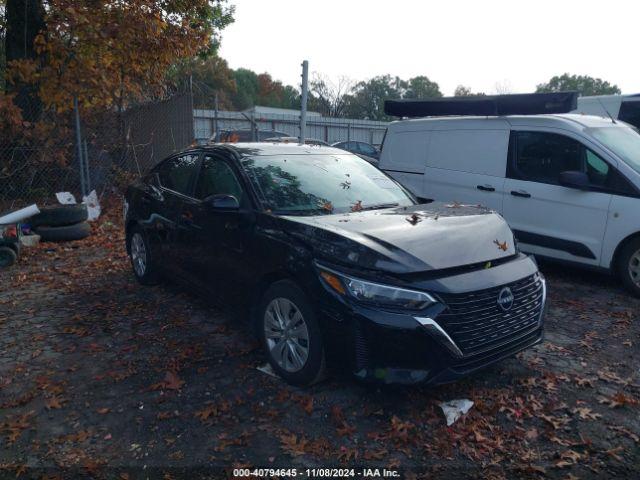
x=338 y=264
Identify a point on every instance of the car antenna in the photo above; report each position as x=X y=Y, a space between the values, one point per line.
x=607 y=111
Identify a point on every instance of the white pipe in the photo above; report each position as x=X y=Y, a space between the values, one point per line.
x=19 y=215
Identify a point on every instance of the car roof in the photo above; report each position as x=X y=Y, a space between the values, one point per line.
x=247 y=149
x=567 y=121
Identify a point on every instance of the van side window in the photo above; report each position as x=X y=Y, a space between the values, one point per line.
x=541 y=156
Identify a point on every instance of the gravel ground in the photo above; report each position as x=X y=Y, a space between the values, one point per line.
x=102 y=377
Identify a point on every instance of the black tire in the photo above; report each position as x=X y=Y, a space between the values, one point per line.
x=8 y=257
x=148 y=275
x=59 y=216
x=628 y=258
x=314 y=367
x=66 y=233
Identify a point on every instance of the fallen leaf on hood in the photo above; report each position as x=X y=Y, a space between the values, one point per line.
x=501 y=245
x=413 y=219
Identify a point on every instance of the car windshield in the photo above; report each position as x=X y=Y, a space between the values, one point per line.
x=623 y=141
x=322 y=184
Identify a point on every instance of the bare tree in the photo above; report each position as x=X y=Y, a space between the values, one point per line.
x=330 y=98
x=503 y=88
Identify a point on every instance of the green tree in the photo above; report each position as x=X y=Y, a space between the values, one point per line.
x=421 y=87
x=463 y=91
x=260 y=89
x=586 y=85
x=210 y=76
x=367 y=98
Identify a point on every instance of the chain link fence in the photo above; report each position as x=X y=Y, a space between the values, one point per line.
x=49 y=154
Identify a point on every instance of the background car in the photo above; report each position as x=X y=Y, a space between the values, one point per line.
x=247 y=135
x=307 y=141
x=359 y=148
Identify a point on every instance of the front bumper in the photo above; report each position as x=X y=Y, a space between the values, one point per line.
x=446 y=342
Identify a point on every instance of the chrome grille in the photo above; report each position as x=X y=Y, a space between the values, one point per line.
x=477 y=323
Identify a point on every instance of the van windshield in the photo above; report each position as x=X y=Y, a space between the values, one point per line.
x=623 y=141
x=322 y=184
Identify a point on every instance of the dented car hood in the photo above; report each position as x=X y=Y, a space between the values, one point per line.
x=406 y=239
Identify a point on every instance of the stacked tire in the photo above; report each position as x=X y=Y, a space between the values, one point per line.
x=61 y=223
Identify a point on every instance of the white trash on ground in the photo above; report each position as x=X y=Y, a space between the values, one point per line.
x=91 y=201
x=30 y=240
x=66 y=198
x=93 y=206
x=454 y=409
x=20 y=215
x=266 y=368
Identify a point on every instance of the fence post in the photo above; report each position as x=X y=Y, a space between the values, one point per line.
x=215 y=120
x=87 y=176
x=303 y=101
x=79 y=145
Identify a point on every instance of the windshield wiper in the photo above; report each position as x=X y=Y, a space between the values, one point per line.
x=294 y=212
x=381 y=206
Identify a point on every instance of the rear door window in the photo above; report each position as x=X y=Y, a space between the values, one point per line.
x=177 y=173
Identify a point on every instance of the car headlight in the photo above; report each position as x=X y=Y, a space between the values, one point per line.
x=375 y=293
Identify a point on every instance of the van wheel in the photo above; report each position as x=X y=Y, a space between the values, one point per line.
x=629 y=266
x=290 y=334
x=142 y=262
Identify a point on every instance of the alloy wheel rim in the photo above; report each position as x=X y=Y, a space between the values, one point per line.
x=287 y=334
x=138 y=254
x=634 y=268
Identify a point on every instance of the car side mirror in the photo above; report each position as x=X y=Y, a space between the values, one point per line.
x=574 y=179
x=222 y=202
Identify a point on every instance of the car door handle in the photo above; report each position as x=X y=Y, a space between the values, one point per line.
x=520 y=193
x=486 y=188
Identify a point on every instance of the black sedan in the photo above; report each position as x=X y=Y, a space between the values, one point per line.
x=337 y=263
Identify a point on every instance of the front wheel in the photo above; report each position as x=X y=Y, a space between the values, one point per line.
x=142 y=262
x=629 y=266
x=291 y=335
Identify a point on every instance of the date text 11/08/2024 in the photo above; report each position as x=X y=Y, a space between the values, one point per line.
x=316 y=472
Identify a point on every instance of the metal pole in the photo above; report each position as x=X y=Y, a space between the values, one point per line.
x=215 y=119
x=79 y=144
x=303 y=101
x=87 y=176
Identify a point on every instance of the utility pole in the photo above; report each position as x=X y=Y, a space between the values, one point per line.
x=79 y=146
x=303 y=102
x=215 y=123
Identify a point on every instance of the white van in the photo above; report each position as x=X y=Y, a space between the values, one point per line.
x=620 y=107
x=567 y=184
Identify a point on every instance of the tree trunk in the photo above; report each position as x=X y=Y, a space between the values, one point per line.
x=24 y=19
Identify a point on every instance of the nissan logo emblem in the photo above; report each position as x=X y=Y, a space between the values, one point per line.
x=505 y=299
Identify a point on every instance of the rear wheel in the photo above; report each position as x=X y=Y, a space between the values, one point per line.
x=142 y=262
x=291 y=335
x=8 y=257
x=629 y=266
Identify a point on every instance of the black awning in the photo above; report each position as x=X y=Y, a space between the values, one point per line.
x=489 y=105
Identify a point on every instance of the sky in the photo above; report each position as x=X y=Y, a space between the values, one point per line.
x=491 y=45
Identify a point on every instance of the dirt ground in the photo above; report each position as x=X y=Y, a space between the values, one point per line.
x=102 y=377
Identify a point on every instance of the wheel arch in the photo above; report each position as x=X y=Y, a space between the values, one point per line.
x=264 y=283
x=619 y=248
x=129 y=226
